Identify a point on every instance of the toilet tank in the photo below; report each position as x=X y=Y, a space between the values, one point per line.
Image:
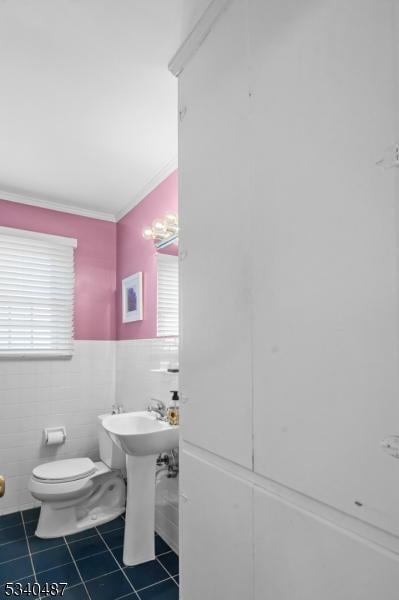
x=110 y=454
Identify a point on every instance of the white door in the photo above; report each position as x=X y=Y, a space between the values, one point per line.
x=289 y=106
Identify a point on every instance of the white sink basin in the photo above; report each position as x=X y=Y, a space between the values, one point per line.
x=141 y=433
x=142 y=437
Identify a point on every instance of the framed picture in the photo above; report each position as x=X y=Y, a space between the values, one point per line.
x=132 y=298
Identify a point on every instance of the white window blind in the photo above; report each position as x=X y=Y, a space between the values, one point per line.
x=36 y=293
x=168 y=295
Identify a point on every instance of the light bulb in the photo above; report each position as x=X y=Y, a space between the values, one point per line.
x=161 y=235
x=148 y=233
x=158 y=225
x=171 y=218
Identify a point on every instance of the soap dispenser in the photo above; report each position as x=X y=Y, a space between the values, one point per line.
x=173 y=410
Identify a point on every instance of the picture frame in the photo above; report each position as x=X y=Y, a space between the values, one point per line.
x=132 y=298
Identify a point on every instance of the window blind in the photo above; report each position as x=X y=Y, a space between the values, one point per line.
x=36 y=294
x=167 y=295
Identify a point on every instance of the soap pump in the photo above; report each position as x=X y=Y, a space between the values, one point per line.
x=173 y=410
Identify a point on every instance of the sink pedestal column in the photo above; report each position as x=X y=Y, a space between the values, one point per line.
x=140 y=510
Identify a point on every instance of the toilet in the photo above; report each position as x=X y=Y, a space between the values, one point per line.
x=77 y=493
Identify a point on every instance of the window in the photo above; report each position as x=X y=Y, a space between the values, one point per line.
x=168 y=295
x=36 y=294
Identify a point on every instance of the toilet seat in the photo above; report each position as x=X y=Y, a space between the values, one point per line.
x=64 y=471
x=78 y=493
x=79 y=503
x=75 y=485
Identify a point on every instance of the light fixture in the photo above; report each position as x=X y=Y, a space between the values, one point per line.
x=148 y=233
x=159 y=226
x=171 y=218
x=163 y=230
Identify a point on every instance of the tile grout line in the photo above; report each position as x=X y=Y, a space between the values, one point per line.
x=163 y=553
x=94 y=554
x=169 y=576
x=119 y=568
x=55 y=567
x=4 y=562
x=40 y=551
x=26 y=537
x=110 y=551
x=168 y=572
x=30 y=554
x=77 y=569
x=113 y=556
x=153 y=584
x=11 y=526
x=103 y=575
x=91 y=533
x=29 y=551
x=164 y=568
x=126 y=596
x=79 y=539
x=23 y=537
x=8 y=526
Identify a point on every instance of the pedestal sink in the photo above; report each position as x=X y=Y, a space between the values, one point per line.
x=142 y=437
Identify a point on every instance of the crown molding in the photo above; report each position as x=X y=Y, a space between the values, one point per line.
x=149 y=187
x=65 y=208
x=197 y=36
x=94 y=214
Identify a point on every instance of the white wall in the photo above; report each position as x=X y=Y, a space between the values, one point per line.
x=138 y=379
x=137 y=371
x=290 y=371
x=167 y=510
x=46 y=393
x=191 y=12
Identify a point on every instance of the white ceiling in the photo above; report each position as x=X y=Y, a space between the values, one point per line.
x=88 y=109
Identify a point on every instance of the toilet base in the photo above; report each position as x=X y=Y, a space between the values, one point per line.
x=105 y=502
x=52 y=524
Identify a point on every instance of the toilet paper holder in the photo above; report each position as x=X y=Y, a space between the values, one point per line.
x=54 y=436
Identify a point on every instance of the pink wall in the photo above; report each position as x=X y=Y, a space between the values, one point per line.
x=106 y=253
x=134 y=253
x=95 y=263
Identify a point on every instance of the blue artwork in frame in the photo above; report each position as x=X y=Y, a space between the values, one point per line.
x=132 y=298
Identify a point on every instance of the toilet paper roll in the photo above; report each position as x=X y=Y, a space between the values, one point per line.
x=54 y=437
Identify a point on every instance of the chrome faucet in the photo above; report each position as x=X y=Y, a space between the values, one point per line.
x=159 y=407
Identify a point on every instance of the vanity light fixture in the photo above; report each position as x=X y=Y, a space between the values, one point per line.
x=163 y=230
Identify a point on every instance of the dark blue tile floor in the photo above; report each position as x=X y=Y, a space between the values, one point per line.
x=90 y=562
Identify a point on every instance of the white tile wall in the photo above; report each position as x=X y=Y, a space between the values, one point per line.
x=136 y=378
x=35 y=394
x=167 y=511
x=136 y=382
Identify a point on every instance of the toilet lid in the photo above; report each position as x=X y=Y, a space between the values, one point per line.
x=70 y=469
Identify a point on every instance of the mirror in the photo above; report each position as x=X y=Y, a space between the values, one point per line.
x=169 y=246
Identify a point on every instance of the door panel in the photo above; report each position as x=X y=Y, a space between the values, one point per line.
x=298 y=555
x=215 y=266
x=325 y=261
x=216 y=533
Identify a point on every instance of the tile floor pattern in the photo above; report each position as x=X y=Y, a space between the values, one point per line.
x=90 y=561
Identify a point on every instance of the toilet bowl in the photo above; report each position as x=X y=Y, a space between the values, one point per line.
x=77 y=493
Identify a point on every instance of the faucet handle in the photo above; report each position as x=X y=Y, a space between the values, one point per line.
x=158 y=404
